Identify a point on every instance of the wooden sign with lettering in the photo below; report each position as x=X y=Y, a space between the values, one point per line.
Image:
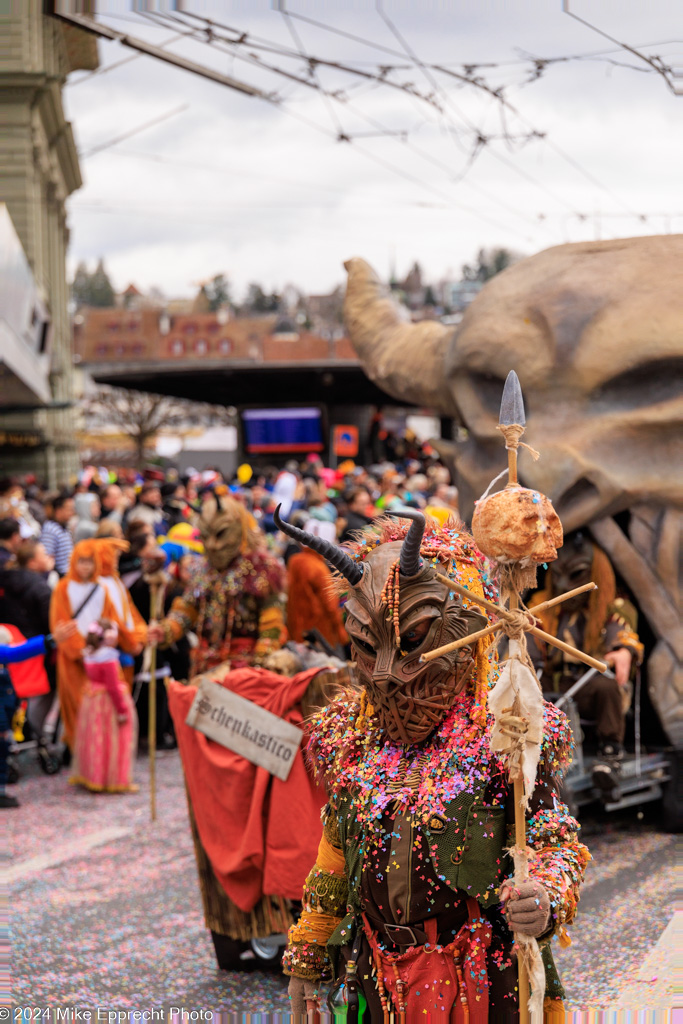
x=245 y=728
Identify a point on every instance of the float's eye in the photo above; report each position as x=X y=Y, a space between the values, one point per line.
x=364 y=646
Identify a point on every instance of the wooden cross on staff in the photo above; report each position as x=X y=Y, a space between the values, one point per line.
x=525 y=715
x=505 y=618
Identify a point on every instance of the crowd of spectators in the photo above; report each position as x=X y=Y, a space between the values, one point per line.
x=154 y=512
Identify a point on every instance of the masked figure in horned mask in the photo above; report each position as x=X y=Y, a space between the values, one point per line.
x=233 y=599
x=409 y=894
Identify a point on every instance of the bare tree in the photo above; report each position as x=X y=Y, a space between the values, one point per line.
x=142 y=415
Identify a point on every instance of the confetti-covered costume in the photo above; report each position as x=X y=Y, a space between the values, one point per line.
x=413 y=852
x=233 y=600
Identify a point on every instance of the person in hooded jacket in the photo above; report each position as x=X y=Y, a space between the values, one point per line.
x=88 y=511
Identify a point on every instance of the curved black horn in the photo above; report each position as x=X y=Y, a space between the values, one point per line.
x=410 y=550
x=349 y=569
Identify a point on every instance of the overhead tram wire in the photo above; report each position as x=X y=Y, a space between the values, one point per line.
x=572 y=162
x=497 y=156
x=591 y=55
x=133 y=131
x=284 y=52
x=665 y=71
x=383 y=128
x=500 y=157
x=382 y=80
x=345 y=68
x=464 y=79
x=450 y=203
x=314 y=74
x=388 y=132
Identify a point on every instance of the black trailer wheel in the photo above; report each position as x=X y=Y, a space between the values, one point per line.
x=268 y=951
x=229 y=952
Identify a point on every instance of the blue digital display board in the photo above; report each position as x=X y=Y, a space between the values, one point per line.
x=270 y=431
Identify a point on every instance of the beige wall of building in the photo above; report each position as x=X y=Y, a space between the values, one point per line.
x=38 y=171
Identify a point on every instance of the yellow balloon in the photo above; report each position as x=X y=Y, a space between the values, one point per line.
x=244 y=473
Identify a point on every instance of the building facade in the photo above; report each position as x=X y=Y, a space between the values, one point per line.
x=38 y=171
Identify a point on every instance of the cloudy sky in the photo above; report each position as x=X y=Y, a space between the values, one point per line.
x=390 y=157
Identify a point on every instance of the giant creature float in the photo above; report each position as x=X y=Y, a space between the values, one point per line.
x=595 y=332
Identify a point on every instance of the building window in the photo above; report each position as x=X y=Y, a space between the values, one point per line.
x=177 y=347
x=134 y=325
x=225 y=346
x=137 y=348
x=113 y=325
x=102 y=351
x=201 y=347
x=120 y=350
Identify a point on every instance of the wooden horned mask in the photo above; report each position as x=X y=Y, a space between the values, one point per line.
x=396 y=611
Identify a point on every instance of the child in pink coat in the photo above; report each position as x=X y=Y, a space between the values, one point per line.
x=107 y=729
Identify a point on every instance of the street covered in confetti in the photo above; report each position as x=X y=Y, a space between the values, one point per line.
x=107 y=912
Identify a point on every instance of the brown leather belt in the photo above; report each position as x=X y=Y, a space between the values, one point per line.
x=404 y=935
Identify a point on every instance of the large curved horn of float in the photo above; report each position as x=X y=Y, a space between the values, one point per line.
x=349 y=569
x=409 y=564
x=406 y=360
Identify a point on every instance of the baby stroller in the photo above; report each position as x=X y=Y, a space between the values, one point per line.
x=28 y=739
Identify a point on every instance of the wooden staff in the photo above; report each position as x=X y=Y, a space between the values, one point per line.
x=520 y=843
x=154 y=595
x=518 y=781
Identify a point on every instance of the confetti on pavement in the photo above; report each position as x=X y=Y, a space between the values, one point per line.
x=120 y=924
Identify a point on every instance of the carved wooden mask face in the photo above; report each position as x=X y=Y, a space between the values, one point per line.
x=410 y=697
x=222 y=532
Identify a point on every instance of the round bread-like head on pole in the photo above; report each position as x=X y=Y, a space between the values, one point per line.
x=517 y=525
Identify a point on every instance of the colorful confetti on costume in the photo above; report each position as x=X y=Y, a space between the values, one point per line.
x=414 y=850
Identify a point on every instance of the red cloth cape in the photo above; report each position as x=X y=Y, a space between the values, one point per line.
x=260 y=834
